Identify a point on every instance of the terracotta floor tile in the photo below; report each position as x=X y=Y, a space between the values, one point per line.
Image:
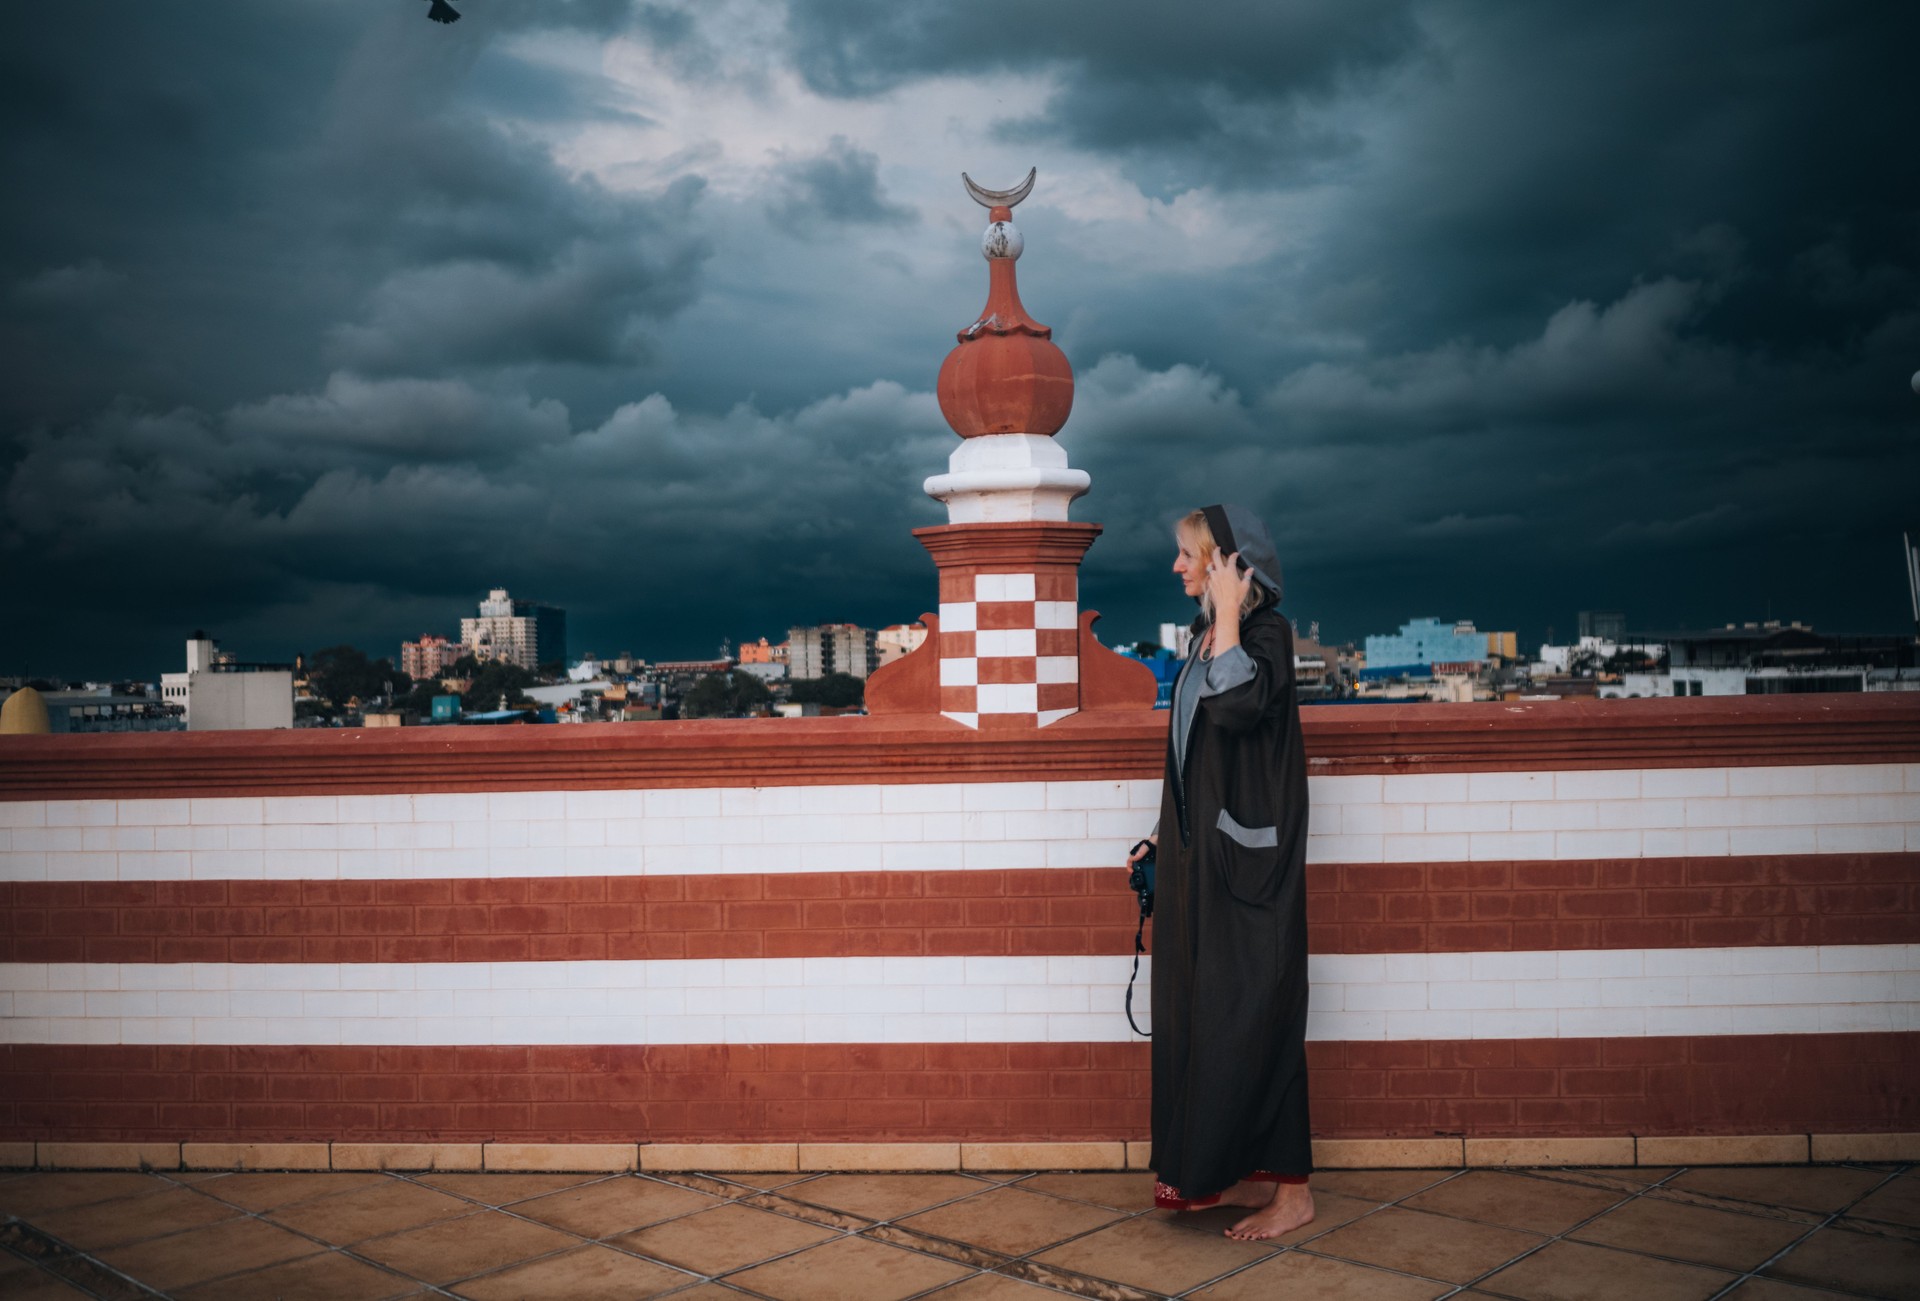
x=710 y=1292
x=1575 y=1271
x=1379 y=1185
x=171 y=1263
x=1120 y=1190
x=1516 y=1201
x=1147 y=1252
x=764 y=1182
x=333 y=1276
x=1011 y=1221
x=848 y=1268
x=37 y=1285
x=1297 y=1274
x=1709 y=1237
x=132 y=1219
x=55 y=1190
x=1432 y=1246
x=1896 y=1203
x=504 y=1189
x=1330 y=1211
x=590 y=1273
x=1633 y=1174
x=600 y=1210
x=456 y=1249
x=723 y=1239
x=1854 y=1262
x=882 y=1196
x=991 y=1287
x=381 y=1208
x=264 y=1191
x=1771 y=1289
x=1807 y=1188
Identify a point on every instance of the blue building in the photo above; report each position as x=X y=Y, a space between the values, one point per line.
x=1422 y=643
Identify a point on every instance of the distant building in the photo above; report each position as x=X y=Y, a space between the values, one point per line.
x=517 y=632
x=1770 y=659
x=763 y=652
x=1176 y=637
x=831 y=648
x=104 y=709
x=1424 y=647
x=219 y=694
x=890 y=643
x=1607 y=625
x=430 y=658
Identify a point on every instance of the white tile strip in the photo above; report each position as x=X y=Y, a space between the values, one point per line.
x=1606 y=993
x=1624 y=813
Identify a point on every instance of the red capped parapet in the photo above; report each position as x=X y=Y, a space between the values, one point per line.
x=1009 y=646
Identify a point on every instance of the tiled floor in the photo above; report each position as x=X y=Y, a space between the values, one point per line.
x=1753 y=1233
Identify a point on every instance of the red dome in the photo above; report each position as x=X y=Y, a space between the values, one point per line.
x=1007 y=376
x=1006 y=384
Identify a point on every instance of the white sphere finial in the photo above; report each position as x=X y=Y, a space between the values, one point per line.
x=1002 y=240
x=1915 y=381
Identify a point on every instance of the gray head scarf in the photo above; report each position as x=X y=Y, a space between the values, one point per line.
x=1235 y=528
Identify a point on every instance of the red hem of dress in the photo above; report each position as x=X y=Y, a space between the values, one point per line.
x=1167 y=1198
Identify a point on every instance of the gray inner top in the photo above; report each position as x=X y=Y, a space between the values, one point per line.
x=1223 y=672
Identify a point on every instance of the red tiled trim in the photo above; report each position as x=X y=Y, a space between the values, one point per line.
x=1394 y=908
x=1093 y=745
x=1833 y=1083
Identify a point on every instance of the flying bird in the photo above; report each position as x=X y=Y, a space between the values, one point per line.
x=442 y=12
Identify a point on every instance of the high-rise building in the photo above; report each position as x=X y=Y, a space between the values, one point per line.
x=430 y=657
x=830 y=648
x=519 y=632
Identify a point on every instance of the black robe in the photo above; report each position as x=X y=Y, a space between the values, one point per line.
x=1230 y=933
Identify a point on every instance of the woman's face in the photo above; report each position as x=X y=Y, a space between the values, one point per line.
x=1189 y=563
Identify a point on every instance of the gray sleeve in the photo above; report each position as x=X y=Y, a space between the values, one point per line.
x=1227 y=670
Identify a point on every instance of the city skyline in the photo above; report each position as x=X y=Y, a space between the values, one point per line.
x=324 y=321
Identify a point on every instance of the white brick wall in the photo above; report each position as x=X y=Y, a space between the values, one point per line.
x=1446 y=817
x=1616 y=992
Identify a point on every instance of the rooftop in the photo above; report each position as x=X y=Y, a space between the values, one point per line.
x=1753 y=1231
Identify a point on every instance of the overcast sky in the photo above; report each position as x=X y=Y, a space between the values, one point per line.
x=320 y=319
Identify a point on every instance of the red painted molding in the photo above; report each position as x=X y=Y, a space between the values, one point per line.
x=1746 y=1084
x=1377 y=908
x=1091 y=745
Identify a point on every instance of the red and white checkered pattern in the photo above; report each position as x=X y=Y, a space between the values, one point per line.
x=1005 y=652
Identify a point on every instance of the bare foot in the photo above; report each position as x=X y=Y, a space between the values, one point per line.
x=1290 y=1209
x=1247 y=1193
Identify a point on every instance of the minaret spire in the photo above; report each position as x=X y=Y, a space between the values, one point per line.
x=1010 y=648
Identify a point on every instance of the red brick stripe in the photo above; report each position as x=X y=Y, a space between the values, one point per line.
x=1377 y=908
x=938 y=1092
x=1090 y=746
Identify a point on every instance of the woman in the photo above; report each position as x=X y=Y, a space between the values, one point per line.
x=1229 y=926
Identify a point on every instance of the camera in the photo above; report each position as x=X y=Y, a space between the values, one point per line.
x=1140 y=879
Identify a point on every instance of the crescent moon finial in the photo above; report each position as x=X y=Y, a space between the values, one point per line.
x=1001 y=198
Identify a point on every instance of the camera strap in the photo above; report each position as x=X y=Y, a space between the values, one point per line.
x=1139 y=947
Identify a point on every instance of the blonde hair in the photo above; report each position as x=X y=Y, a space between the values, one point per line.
x=1194 y=528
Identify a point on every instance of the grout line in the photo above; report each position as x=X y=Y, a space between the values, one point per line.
x=1561 y=1236
x=1795 y=1244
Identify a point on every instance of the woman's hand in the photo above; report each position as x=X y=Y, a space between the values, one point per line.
x=1138 y=854
x=1227 y=585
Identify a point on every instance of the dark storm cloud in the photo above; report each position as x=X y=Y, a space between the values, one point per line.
x=1492 y=311
x=1221 y=93
x=838 y=185
x=275 y=192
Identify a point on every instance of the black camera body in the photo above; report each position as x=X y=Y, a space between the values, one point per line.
x=1140 y=879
